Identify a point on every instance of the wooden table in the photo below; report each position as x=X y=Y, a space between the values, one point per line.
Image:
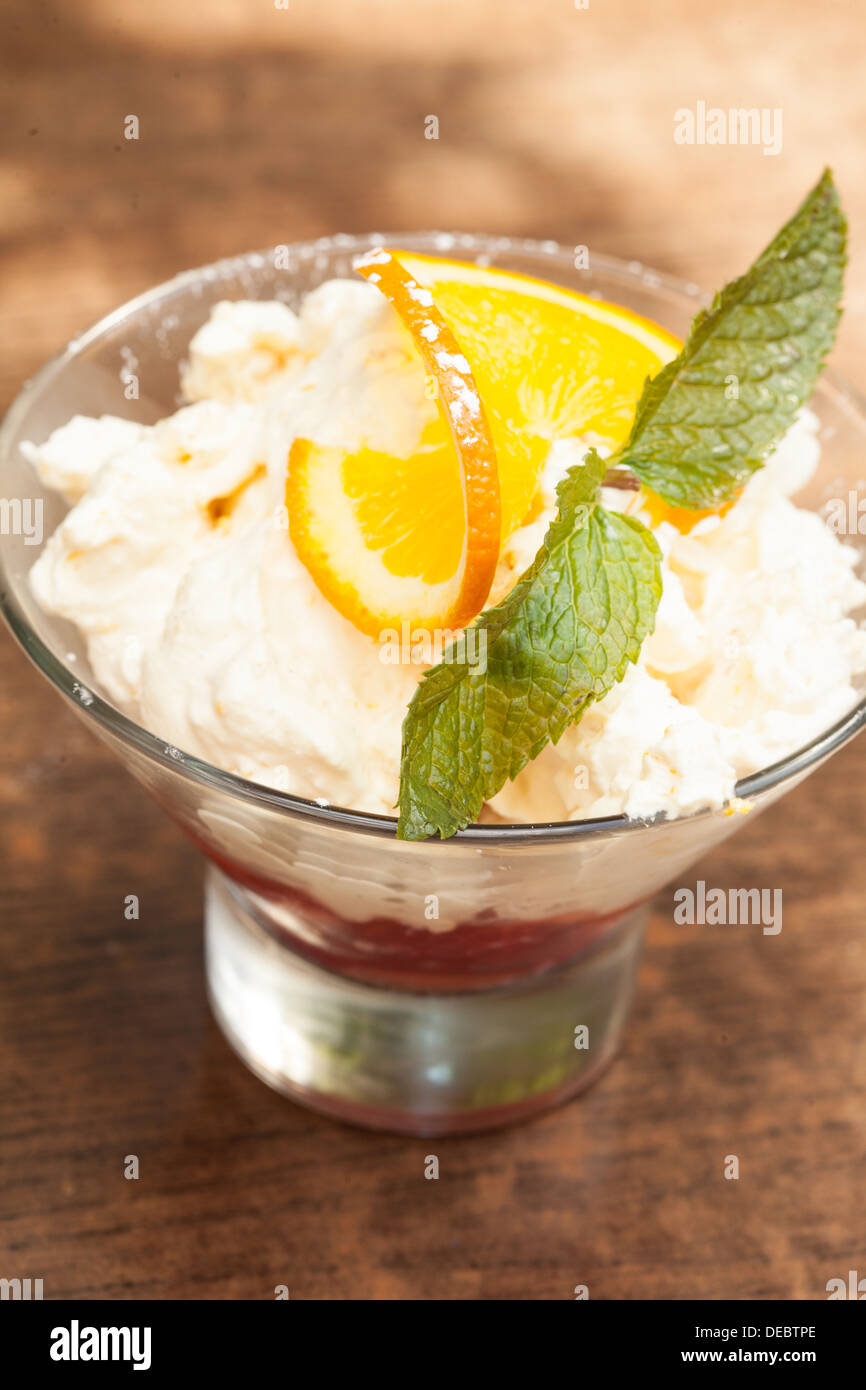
x=260 y=126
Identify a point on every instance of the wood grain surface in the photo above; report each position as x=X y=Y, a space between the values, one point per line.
x=257 y=126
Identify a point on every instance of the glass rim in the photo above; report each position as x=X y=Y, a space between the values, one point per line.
x=202 y=772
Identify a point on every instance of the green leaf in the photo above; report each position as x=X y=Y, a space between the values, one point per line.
x=561 y=639
x=711 y=417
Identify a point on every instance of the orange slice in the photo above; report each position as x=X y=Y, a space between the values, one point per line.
x=387 y=540
x=516 y=363
x=549 y=363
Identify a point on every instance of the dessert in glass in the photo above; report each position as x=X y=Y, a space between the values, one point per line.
x=247 y=635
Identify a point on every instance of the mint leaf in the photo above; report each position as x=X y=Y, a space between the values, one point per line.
x=561 y=639
x=565 y=634
x=713 y=414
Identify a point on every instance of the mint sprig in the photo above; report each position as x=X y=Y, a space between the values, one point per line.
x=709 y=419
x=561 y=639
x=565 y=634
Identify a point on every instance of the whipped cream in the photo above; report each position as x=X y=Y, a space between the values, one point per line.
x=202 y=624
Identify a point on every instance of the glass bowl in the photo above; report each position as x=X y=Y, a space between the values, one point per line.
x=326 y=969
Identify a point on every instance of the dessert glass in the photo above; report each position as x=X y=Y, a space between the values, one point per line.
x=424 y=988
